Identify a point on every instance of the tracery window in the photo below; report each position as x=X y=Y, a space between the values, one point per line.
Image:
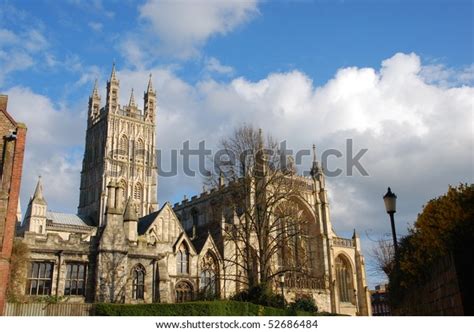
x=344 y=279
x=137 y=192
x=184 y=291
x=123 y=145
x=182 y=264
x=138 y=283
x=208 y=276
x=140 y=149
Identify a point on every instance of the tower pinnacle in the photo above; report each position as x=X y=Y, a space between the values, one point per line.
x=132 y=100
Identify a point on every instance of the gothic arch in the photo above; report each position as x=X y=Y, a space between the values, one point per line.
x=140 y=148
x=344 y=278
x=182 y=259
x=123 y=145
x=184 y=291
x=209 y=275
x=138 y=282
x=138 y=192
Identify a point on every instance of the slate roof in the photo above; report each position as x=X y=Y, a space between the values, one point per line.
x=145 y=222
x=66 y=219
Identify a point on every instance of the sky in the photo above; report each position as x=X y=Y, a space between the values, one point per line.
x=395 y=77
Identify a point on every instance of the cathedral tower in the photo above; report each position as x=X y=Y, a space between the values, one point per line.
x=120 y=146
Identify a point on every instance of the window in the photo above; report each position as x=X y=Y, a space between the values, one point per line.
x=75 y=279
x=140 y=149
x=137 y=192
x=182 y=260
x=344 y=279
x=40 y=278
x=138 y=284
x=184 y=291
x=123 y=146
x=208 y=277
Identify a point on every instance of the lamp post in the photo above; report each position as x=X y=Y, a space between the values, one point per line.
x=282 y=284
x=390 y=200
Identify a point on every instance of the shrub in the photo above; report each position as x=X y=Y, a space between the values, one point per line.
x=304 y=304
x=209 y=308
x=261 y=295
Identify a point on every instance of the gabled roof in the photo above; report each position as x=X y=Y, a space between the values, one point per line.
x=145 y=222
x=66 y=219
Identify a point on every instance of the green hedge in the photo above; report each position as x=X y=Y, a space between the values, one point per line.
x=207 y=308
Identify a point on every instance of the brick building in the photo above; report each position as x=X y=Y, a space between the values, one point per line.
x=12 y=147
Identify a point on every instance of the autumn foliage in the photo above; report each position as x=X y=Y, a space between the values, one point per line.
x=444 y=227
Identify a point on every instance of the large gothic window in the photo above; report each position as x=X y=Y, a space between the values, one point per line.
x=138 y=283
x=140 y=149
x=182 y=264
x=184 y=291
x=123 y=145
x=137 y=192
x=344 y=279
x=208 y=276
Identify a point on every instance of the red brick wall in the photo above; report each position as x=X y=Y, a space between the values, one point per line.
x=12 y=152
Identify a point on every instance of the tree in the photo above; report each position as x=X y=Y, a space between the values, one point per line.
x=18 y=269
x=262 y=189
x=445 y=227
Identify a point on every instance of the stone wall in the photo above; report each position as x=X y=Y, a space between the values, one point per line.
x=439 y=296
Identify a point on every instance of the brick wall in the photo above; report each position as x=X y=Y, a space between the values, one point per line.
x=439 y=296
x=12 y=149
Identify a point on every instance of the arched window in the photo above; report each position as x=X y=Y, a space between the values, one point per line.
x=182 y=264
x=140 y=149
x=138 y=284
x=184 y=291
x=344 y=279
x=137 y=192
x=123 y=145
x=208 y=276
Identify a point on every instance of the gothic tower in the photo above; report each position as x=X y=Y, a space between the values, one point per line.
x=120 y=146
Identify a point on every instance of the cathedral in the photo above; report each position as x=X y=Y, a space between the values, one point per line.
x=123 y=247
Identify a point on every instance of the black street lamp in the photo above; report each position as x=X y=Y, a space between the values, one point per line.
x=390 y=200
x=282 y=284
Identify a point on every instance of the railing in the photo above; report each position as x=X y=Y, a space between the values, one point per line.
x=49 y=309
x=341 y=242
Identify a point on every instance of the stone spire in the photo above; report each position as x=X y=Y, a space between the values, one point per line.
x=95 y=91
x=113 y=77
x=150 y=85
x=38 y=195
x=315 y=169
x=132 y=103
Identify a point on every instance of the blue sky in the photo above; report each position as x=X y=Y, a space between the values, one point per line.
x=394 y=76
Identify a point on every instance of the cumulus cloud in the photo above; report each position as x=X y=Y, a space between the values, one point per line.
x=19 y=50
x=403 y=120
x=180 y=29
x=418 y=132
x=53 y=146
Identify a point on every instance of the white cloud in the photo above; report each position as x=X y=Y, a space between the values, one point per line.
x=213 y=65
x=96 y=26
x=54 y=145
x=20 y=51
x=180 y=29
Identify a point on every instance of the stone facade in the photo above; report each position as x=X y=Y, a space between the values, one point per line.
x=12 y=147
x=122 y=248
